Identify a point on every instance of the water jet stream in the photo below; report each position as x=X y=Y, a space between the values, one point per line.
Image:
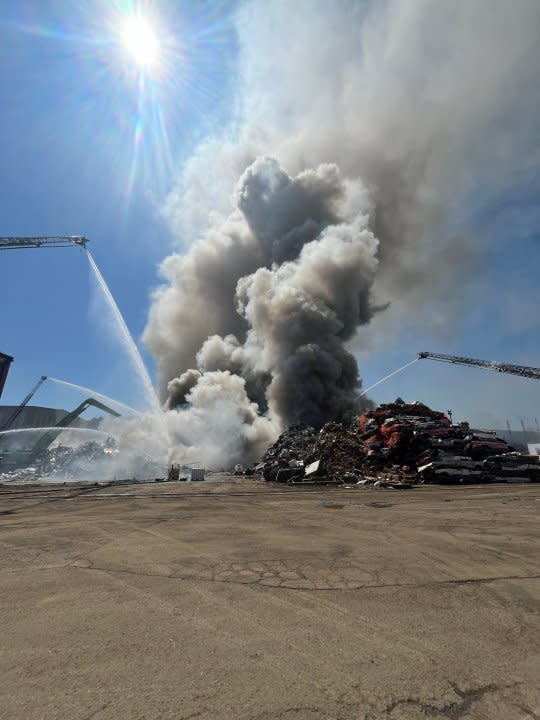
x=127 y=340
x=386 y=377
x=68 y=428
x=95 y=394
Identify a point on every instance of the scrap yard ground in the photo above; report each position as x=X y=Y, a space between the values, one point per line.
x=245 y=600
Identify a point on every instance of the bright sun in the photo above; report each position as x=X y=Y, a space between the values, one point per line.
x=140 y=41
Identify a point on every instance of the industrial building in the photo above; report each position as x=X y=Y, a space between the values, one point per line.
x=36 y=416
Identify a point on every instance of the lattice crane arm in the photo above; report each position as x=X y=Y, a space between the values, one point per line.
x=18 y=410
x=521 y=370
x=11 y=243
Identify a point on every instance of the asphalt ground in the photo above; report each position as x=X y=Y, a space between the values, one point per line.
x=244 y=600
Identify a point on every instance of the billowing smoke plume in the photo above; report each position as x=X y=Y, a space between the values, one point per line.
x=284 y=312
x=218 y=426
x=367 y=134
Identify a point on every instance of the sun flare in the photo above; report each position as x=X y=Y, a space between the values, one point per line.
x=140 y=40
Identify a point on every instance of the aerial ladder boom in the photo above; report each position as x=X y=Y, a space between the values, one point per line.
x=11 y=243
x=521 y=370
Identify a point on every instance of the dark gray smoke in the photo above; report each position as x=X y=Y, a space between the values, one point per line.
x=301 y=313
x=298 y=289
x=413 y=113
x=178 y=388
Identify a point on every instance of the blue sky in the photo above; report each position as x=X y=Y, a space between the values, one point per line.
x=67 y=133
x=83 y=152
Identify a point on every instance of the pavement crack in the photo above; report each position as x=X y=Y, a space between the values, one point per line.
x=294 y=710
x=274 y=580
x=528 y=712
x=96 y=711
x=451 y=711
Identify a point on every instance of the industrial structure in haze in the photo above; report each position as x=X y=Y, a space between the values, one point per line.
x=38 y=416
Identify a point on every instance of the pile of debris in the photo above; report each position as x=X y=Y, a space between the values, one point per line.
x=88 y=462
x=284 y=461
x=397 y=444
x=58 y=460
x=332 y=455
x=63 y=459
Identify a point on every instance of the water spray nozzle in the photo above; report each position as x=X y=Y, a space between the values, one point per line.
x=79 y=240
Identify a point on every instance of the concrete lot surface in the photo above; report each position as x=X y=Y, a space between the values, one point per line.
x=247 y=601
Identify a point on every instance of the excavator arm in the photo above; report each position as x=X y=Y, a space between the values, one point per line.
x=49 y=437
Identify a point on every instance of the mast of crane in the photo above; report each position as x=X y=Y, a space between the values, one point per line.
x=521 y=370
x=11 y=243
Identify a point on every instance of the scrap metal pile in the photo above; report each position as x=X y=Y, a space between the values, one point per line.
x=396 y=444
x=58 y=460
x=86 y=462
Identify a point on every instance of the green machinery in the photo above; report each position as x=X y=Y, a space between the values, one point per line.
x=23 y=458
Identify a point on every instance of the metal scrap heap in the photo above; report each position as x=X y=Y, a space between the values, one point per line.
x=396 y=444
x=61 y=460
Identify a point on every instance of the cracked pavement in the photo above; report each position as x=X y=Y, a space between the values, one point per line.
x=244 y=600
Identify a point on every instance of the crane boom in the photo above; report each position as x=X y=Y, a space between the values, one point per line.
x=11 y=243
x=521 y=370
x=15 y=414
x=49 y=437
x=23 y=458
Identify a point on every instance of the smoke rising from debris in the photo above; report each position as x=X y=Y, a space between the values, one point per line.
x=364 y=132
x=285 y=312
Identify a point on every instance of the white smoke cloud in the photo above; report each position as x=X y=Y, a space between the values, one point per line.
x=217 y=426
